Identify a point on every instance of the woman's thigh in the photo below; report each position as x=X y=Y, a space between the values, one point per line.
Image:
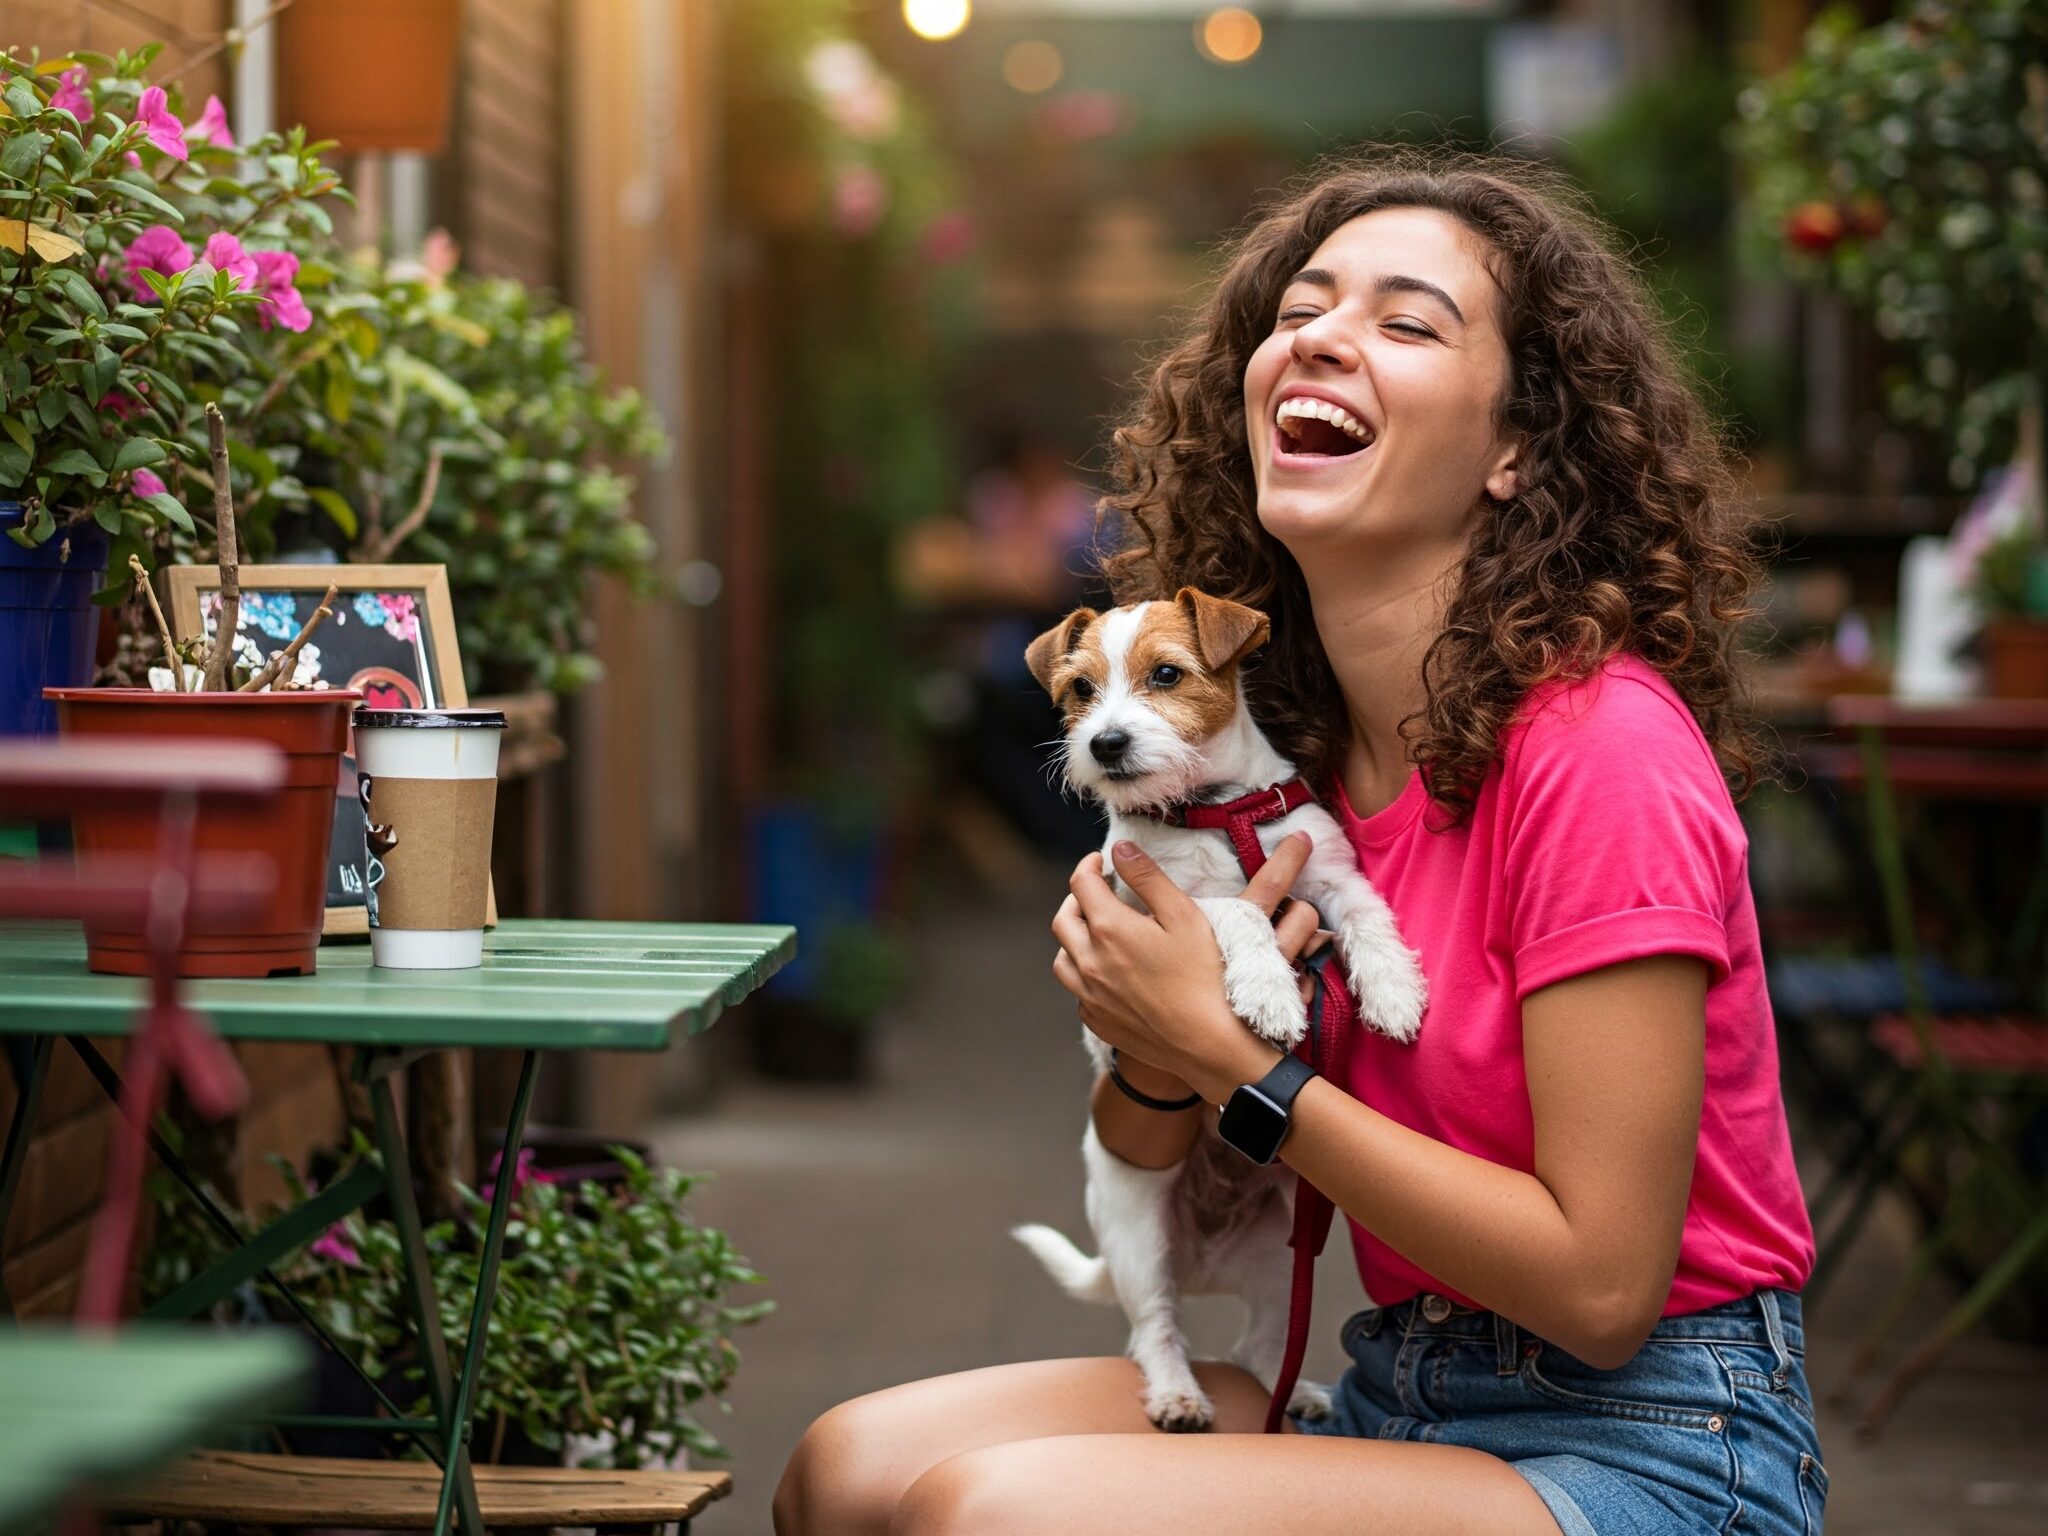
x=854 y=1464
x=1063 y=1446
x=1228 y=1485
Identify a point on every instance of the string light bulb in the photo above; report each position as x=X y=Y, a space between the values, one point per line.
x=936 y=20
x=1229 y=35
x=1033 y=66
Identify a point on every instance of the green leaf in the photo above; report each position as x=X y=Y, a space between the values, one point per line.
x=336 y=506
x=22 y=101
x=137 y=452
x=13 y=464
x=108 y=515
x=78 y=290
x=15 y=429
x=171 y=508
x=50 y=407
x=73 y=461
x=120 y=332
x=22 y=154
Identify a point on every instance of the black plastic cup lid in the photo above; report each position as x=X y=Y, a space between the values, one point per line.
x=428 y=719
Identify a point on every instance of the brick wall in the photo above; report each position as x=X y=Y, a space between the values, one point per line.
x=294 y=1106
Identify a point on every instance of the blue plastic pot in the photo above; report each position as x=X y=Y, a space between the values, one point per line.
x=48 y=624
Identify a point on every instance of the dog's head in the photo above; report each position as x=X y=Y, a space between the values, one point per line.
x=1143 y=690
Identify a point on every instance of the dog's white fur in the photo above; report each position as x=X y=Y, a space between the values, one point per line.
x=1215 y=1223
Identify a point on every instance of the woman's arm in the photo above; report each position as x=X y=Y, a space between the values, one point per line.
x=1581 y=1251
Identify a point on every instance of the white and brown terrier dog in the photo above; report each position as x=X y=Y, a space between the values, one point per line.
x=1156 y=720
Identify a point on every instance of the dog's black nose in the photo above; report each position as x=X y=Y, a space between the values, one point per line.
x=1109 y=747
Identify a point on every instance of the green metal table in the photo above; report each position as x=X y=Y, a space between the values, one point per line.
x=565 y=986
x=80 y=1413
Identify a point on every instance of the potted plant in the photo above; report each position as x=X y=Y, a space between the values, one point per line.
x=432 y=415
x=374 y=74
x=616 y=1311
x=223 y=688
x=2010 y=586
x=136 y=251
x=1904 y=168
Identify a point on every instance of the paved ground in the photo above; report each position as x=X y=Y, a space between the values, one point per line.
x=879 y=1217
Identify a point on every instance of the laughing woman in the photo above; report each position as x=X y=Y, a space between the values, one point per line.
x=1503 y=582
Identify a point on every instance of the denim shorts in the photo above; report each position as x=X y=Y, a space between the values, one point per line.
x=1708 y=1428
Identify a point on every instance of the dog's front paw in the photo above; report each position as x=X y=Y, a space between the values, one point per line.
x=1386 y=978
x=1181 y=1411
x=1311 y=1401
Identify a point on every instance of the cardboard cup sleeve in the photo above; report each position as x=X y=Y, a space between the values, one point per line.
x=437 y=874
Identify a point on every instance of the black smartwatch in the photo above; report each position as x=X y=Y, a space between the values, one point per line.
x=1259 y=1115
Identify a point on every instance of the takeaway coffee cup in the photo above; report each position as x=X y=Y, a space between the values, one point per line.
x=428 y=779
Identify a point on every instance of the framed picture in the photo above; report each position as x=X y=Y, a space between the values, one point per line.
x=392 y=636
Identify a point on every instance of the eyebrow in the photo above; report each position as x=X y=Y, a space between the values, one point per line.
x=1323 y=277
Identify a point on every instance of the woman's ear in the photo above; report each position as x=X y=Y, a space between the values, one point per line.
x=1504 y=479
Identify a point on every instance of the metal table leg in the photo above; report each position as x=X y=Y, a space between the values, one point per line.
x=29 y=1092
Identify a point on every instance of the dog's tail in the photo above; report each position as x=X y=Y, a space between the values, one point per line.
x=1081 y=1277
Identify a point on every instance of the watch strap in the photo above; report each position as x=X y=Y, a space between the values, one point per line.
x=1285 y=1081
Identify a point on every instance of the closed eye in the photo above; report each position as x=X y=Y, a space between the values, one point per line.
x=1412 y=330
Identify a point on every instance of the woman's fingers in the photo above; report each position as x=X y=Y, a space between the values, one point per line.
x=1277 y=875
x=1167 y=902
x=1066 y=973
x=1295 y=927
x=1069 y=928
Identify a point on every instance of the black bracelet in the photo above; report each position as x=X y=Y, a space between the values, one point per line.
x=1139 y=1096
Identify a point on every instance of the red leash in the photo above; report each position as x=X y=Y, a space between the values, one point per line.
x=1332 y=1019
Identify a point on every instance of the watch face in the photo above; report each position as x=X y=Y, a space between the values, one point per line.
x=1253 y=1124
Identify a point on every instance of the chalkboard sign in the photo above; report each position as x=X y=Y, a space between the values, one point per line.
x=392 y=636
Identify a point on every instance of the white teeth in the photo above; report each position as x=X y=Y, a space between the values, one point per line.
x=1323 y=410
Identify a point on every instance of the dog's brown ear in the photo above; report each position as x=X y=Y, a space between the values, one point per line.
x=1044 y=653
x=1224 y=631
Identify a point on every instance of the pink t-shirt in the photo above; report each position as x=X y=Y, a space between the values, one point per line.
x=1604 y=834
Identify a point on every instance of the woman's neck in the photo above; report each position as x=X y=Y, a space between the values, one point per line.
x=1377 y=620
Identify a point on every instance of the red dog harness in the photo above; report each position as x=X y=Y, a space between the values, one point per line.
x=1331 y=1020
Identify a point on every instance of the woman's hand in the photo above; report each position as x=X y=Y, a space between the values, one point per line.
x=1151 y=983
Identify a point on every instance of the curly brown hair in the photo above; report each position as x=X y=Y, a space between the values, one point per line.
x=1625 y=534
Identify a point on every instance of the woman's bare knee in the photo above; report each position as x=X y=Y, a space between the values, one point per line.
x=838 y=1481
x=972 y=1494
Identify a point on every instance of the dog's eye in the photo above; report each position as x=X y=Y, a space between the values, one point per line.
x=1164 y=676
x=1082 y=689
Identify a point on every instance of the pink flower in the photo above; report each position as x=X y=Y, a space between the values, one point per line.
x=523 y=1174
x=333 y=1245
x=71 y=95
x=157 y=249
x=164 y=130
x=859 y=199
x=282 y=303
x=224 y=253
x=439 y=255
x=120 y=405
x=947 y=238
x=144 y=482
x=212 y=127
x=133 y=159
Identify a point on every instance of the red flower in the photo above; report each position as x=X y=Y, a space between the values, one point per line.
x=1815 y=227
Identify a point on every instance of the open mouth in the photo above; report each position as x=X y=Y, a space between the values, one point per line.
x=1308 y=428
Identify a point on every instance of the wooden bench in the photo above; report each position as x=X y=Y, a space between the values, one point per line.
x=235 y=1488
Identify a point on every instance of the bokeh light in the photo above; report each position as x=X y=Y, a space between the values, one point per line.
x=936 y=20
x=1033 y=66
x=1229 y=36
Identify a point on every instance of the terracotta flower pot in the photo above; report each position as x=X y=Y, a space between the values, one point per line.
x=374 y=74
x=311 y=728
x=2016 y=658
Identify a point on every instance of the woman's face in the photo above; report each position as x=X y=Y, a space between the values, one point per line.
x=1369 y=409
